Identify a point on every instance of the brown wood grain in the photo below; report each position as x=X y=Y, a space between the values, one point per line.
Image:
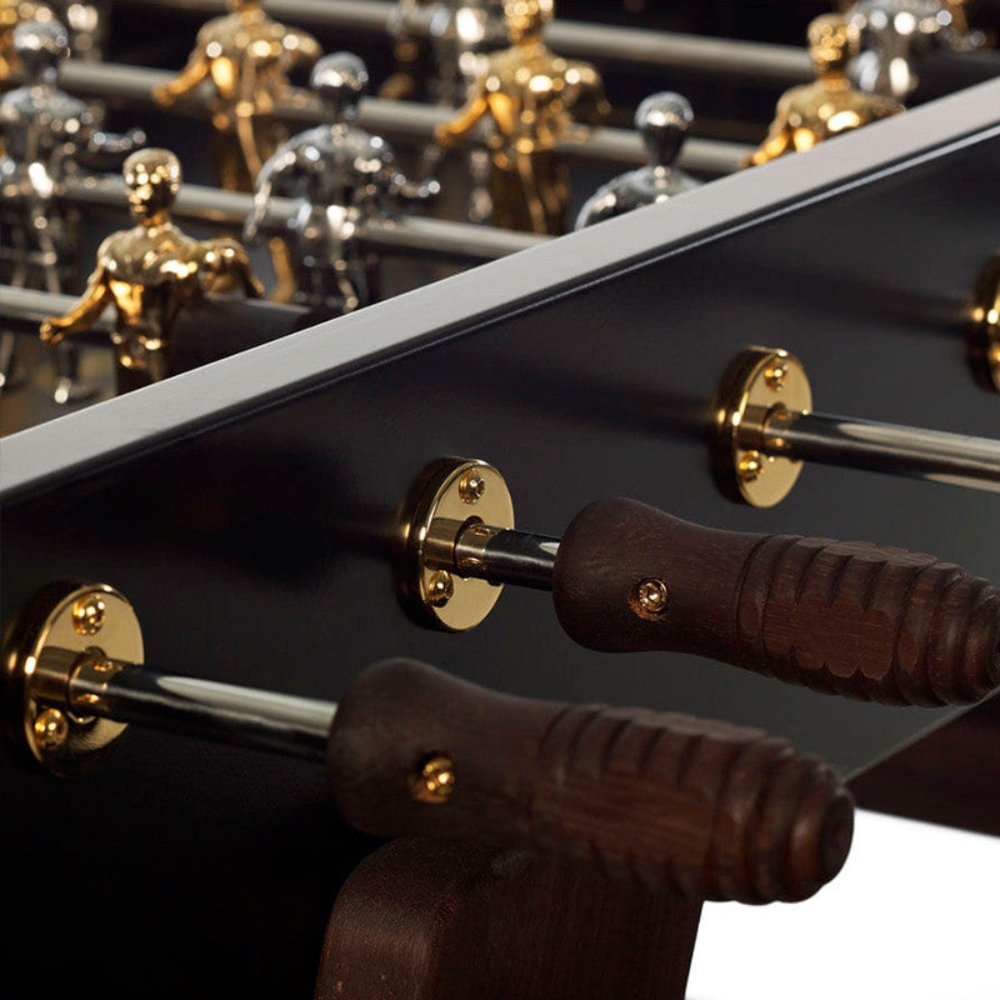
x=847 y=618
x=430 y=920
x=702 y=809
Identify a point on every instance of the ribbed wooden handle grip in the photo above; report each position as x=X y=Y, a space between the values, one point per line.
x=661 y=801
x=848 y=618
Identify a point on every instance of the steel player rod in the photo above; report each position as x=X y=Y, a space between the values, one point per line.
x=29 y=307
x=722 y=57
x=528 y=560
x=414 y=751
x=222 y=713
x=903 y=451
x=22 y=310
x=409 y=234
x=396 y=119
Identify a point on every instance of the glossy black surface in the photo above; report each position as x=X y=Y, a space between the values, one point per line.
x=256 y=553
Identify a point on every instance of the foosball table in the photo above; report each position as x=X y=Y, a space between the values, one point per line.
x=412 y=296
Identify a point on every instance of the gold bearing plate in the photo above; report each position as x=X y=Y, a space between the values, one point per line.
x=59 y=628
x=447 y=496
x=760 y=384
x=985 y=344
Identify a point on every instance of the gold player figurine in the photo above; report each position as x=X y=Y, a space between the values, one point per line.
x=818 y=111
x=151 y=272
x=532 y=97
x=13 y=13
x=248 y=57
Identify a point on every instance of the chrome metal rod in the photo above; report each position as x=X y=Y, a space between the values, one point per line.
x=722 y=57
x=902 y=451
x=516 y=557
x=296 y=727
x=396 y=119
x=23 y=309
x=29 y=306
x=405 y=234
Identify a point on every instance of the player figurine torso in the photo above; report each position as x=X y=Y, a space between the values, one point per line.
x=46 y=136
x=342 y=177
x=533 y=99
x=832 y=105
x=151 y=272
x=897 y=33
x=247 y=56
x=459 y=34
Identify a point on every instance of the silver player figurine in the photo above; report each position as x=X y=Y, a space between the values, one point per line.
x=663 y=121
x=343 y=177
x=88 y=26
x=895 y=34
x=46 y=136
x=459 y=33
x=441 y=49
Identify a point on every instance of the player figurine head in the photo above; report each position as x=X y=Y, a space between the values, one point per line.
x=341 y=80
x=152 y=180
x=833 y=43
x=526 y=18
x=664 y=120
x=40 y=47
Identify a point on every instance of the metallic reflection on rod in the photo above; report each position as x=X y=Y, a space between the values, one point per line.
x=903 y=451
x=722 y=57
x=410 y=234
x=223 y=713
x=400 y=120
x=765 y=428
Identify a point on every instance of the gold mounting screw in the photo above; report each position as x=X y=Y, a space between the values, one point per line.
x=652 y=598
x=776 y=375
x=434 y=781
x=472 y=487
x=440 y=589
x=449 y=497
x=51 y=729
x=751 y=466
x=88 y=614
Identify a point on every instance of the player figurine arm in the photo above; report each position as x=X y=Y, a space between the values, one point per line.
x=105 y=149
x=84 y=314
x=282 y=166
x=780 y=139
x=591 y=106
x=303 y=50
x=226 y=267
x=449 y=133
x=197 y=69
x=399 y=186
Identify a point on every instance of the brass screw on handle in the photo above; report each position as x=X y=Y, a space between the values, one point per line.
x=652 y=598
x=434 y=781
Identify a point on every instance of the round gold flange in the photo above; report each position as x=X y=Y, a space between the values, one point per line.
x=61 y=627
x=760 y=384
x=985 y=341
x=447 y=496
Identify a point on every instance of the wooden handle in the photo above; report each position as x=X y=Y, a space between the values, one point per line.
x=660 y=801
x=849 y=618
